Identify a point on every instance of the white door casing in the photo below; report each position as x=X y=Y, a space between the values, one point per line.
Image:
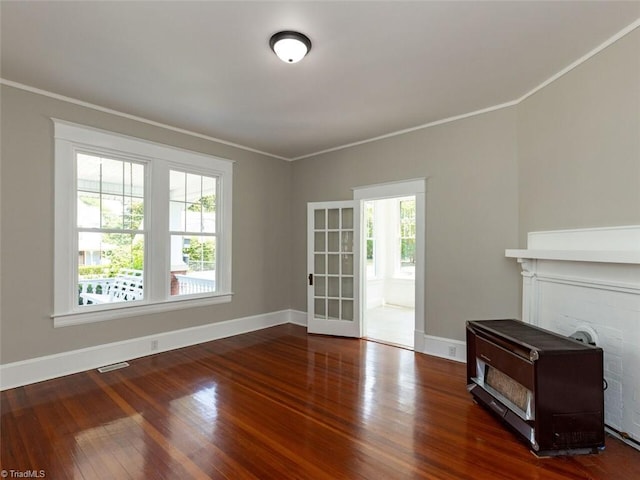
x=418 y=188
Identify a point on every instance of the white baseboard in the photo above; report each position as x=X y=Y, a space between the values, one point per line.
x=445 y=348
x=52 y=366
x=298 y=318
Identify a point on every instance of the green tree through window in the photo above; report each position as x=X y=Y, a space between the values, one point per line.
x=407 y=233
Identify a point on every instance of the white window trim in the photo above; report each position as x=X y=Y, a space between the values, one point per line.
x=69 y=138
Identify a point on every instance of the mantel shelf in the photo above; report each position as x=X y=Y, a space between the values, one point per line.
x=602 y=256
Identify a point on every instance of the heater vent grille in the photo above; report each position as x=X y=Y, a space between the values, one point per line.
x=115 y=366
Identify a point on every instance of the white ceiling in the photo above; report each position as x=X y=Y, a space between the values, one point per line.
x=374 y=68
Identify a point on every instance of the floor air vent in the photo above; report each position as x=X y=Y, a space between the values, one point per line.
x=115 y=366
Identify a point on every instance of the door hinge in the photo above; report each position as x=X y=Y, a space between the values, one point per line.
x=311 y=279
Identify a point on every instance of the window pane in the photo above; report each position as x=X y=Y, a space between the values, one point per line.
x=347 y=218
x=194 y=188
x=134 y=213
x=319 y=244
x=88 y=210
x=110 y=267
x=193 y=264
x=318 y=219
x=347 y=264
x=347 y=241
x=112 y=211
x=407 y=218
x=127 y=180
x=208 y=222
x=333 y=216
x=110 y=196
x=333 y=289
x=347 y=309
x=110 y=193
x=177 y=216
x=177 y=185
x=407 y=236
x=209 y=186
x=333 y=262
x=194 y=217
x=334 y=308
x=208 y=201
x=334 y=242
x=137 y=180
x=320 y=286
x=408 y=251
x=369 y=208
x=193 y=202
x=347 y=287
x=112 y=176
x=88 y=172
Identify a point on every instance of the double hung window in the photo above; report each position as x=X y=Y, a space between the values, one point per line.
x=139 y=226
x=192 y=222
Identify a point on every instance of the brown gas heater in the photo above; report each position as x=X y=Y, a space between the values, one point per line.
x=546 y=387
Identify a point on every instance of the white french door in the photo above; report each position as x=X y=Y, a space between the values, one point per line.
x=333 y=264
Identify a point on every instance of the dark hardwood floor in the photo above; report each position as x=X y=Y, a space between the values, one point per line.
x=276 y=404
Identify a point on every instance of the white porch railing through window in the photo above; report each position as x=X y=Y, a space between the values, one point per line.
x=191 y=284
x=188 y=284
x=94 y=285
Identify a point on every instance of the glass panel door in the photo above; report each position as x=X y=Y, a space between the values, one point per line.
x=333 y=236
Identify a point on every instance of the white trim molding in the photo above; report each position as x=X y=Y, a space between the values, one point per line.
x=444 y=348
x=297 y=317
x=411 y=187
x=604 y=245
x=34 y=370
x=72 y=139
x=128 y=116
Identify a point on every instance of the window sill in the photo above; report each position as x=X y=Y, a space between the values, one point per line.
x=112 y=312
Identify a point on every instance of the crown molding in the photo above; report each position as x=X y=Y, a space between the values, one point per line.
x=610 y=41
x=110 y=111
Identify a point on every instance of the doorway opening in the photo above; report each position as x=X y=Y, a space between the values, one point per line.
x=389 y=273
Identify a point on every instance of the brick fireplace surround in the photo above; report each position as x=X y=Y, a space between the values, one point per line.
x=588 y=280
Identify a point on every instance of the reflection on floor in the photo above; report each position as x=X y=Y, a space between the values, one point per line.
x=390 y=324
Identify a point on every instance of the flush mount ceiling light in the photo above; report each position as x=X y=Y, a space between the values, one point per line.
x=290 y=47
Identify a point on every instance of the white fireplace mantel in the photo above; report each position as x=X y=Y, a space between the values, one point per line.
x=589 y=280
x=603 y=245
x=603 y=256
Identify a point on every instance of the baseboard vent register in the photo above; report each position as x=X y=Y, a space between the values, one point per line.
x=115 y=366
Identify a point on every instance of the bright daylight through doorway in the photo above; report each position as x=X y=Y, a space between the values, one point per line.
x=389 y=256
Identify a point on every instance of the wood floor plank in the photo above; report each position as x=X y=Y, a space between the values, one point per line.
x=277 y=404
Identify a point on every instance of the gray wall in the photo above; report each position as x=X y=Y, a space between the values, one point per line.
x=471 y=214
x=579 y=145
x=261 y=231
x=567 y=157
